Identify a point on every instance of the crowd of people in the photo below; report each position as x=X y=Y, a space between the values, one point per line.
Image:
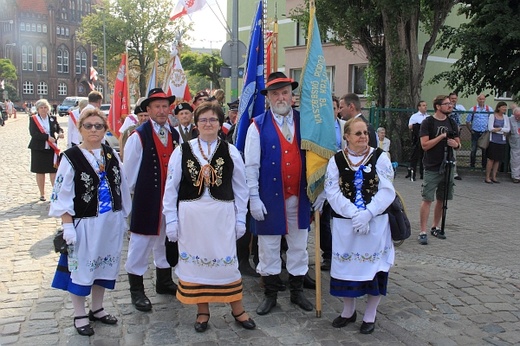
x=190 y=199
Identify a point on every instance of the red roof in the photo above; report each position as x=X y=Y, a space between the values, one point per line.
x=34 y=6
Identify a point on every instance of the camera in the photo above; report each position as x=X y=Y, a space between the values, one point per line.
x=451 y=134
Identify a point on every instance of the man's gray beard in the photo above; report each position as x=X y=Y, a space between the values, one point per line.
x=281 y=110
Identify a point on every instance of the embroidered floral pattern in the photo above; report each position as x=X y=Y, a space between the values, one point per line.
x=194 y=172
x=103 y=262
x=362 y=258
x=57 y=187
x=117 y=180
x=219 y=166
x=88 y=182
x=205 y=262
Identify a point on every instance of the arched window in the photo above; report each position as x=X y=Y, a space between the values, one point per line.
x=59 y=61
x=62 y=30
x=62 y=89
x=39 y=28
x=22 y=26
x=67 y=32
x=64 y=13
x=57 y=30
x=38 y=58
x=72 y=9
x=43 y=89
x=28 y=88
x=83 y=62
x=65 y=61
x=44 y=28
x=44 y=58
x=78 y=62
x=27 y=58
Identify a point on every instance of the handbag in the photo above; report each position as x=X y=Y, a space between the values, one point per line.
x=400 y=227
x=60 y=245
x=483 y=140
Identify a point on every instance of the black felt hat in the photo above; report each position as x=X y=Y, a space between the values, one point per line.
x=277 y=80
x=157 y=94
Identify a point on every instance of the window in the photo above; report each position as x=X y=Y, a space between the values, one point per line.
x=38 y=58
x=42 y=88
x=33 y=27
x=44 y=58
x=300 y=35
x=39 y=28
x=67 y=32
x=296 y=74
x=27 y=26
x=62 y=89
x=44 y=28
x=28 y=88
x=504 y=95
x=84 y=62
x=72 y=9
x=59 y=61
x=27 y=58
x=22 y=26
x=64 y=13
x=62 y=30
x=57 y=30
x=65 y=61
x=94 y=60
x=78 y=62
x=358 y=81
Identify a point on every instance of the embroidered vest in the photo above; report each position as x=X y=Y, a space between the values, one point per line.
x=221 y=163
x=149 y=188
x=86 y=182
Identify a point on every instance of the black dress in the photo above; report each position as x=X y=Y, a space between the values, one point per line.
x=42 y=160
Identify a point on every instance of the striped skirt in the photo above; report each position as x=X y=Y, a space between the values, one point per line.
x=192 y=293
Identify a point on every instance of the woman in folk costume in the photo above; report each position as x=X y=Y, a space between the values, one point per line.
x=92 y=198
x=45 y=131
x=205 y=206
x=359 y=188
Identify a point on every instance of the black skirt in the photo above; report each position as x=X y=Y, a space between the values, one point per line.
x=42 y=161
x=496 y=152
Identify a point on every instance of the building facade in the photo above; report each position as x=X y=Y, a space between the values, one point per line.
x=40 y=38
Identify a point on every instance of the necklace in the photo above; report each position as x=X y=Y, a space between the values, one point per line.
x=361 y=153
x=345 y=155
x=207 y=175
x=100 y=162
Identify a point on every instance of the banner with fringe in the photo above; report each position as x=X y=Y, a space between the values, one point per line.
x=317 y=115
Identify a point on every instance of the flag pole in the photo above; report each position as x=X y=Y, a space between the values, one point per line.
x=317 y=255
x=155 y=64
x=275 y=39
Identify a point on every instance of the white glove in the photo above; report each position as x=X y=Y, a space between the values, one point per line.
x=363 y=230
x=361 y=219
x=172 y=231
x=257 y=208
x=69 y=233
x=240 y=229
x=318 y=203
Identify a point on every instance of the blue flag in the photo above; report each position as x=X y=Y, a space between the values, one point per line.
x=252 y=103
x=317 y=115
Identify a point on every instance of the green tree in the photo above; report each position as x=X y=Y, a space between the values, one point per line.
x=489 y=44
x=8 y=74
x=141 y=25
x=387 y=31
x=203 y=65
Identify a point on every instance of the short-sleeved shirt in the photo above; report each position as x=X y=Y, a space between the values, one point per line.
x=479 y=118
x=434 y=157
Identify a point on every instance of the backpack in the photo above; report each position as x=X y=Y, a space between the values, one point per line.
x=400 y=227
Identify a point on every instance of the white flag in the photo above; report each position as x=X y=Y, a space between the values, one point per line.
x=186 y=7
x=177 y=82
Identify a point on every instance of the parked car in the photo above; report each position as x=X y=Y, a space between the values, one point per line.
x=68 y=103
x=105 y=107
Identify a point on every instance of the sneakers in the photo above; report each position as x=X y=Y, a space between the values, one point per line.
x=423 y=239
x=437 y=232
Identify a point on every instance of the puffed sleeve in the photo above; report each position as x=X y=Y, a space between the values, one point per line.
x=252 y=153
x=126 y=198
x=133 y=155
x=62 y=198
x=386 y=191
x=240 y=189
x=171 y=189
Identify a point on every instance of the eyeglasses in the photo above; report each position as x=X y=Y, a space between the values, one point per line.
x=447 y=104
x=359 y=133
x=208 y=120
x=90 y=126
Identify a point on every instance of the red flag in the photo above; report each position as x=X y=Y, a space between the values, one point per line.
x=186 y=7
x=269 y=50
x=120 y=105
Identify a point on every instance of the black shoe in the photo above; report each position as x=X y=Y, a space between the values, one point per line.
x=367 y=327
x=309 y=282
x=340 y=322
x=437 y=232
x=248 y=271
x=83 y=330
x=201 y=327
x=266 y=305
x=299 y=299
x=246 y=324
x=107 y=319
x=457 y=177
x=325 y=265
x=141 y=301
x=409 y=174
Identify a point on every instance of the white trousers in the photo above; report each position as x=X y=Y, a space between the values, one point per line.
x=139 y=249
x=297 y=263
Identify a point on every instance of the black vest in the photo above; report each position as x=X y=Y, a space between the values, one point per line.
x=223 y=165
x=346 y=178
x=86 y=181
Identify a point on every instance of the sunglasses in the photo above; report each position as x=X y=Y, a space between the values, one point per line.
x=96 y=126
x=359 y=133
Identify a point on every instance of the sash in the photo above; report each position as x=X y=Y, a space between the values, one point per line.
x=73 y=118
x=53 y=146
x=131 y=116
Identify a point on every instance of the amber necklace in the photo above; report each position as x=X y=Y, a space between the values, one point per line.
x=348 y=151
x=100 y=162
x=207 y=175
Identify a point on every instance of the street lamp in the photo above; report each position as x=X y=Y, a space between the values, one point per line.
x=5 y=49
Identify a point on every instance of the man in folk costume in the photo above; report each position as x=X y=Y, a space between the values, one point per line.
x=184 y=114
x=147 y=152
x=275 y=172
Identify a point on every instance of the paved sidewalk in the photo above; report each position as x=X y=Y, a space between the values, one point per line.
x=464 y=290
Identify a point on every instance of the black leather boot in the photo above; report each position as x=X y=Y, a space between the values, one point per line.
x=164 y=283
x=139 y=299
x=309 y=282
x=270 y=294
x=297 y=297
x=409 y=174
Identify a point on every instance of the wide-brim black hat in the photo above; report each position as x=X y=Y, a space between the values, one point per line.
x=157 y=94
x=182 y=106
x=277 y=80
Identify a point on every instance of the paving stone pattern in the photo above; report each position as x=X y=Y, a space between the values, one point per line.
x=460 y=291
